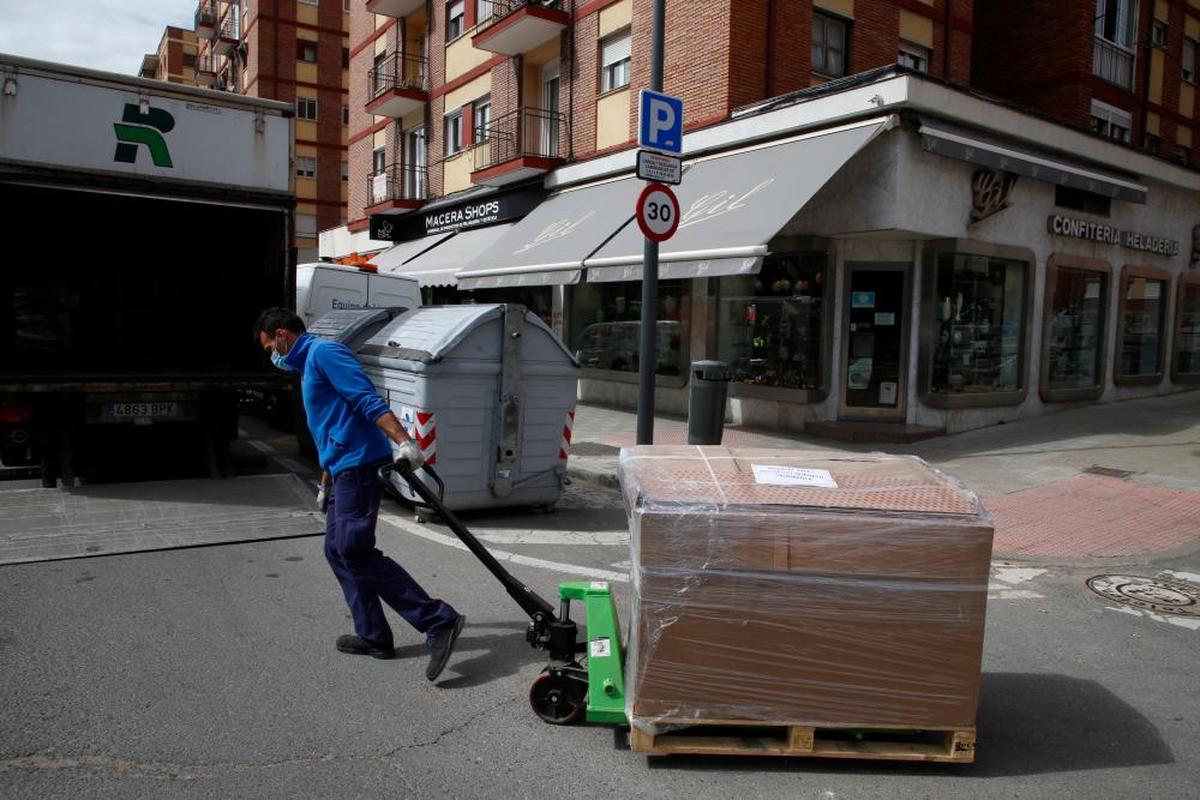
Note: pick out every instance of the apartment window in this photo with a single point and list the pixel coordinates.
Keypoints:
(1074, 335)
(482, 115)
(346, 6)
(309, 2)
(455, 20)
(378, 160)
(484, 9)
(1082, 200)
(1186, 363)
(306, 51)
(189, 60)
(1189, 60)
(1158, 33)
(1153, 143)
(345, 115)
(379, 70)
(615, 56)
(1111, 122)
(1140, 326)
(1115, 34)
(345, 172)
(979, 311)
(306, 224)
(771, 326)
(1183, 154)
(914, 56)
(453, 133)
(306, 108)
(345, 58)
(306, 167)
(829, 45)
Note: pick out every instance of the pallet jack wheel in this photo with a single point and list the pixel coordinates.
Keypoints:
(556, 698)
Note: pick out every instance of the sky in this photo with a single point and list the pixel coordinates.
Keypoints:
(111, 35)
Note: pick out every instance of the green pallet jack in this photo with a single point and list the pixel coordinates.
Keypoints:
(585, 678)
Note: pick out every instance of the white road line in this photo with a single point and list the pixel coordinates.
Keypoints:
(416, 529)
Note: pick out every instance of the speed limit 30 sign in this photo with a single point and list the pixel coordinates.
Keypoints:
(658, 212)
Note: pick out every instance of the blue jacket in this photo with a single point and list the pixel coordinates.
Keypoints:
(341, 404)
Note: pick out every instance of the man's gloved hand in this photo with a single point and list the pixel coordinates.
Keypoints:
(323, 491)
(410, 453)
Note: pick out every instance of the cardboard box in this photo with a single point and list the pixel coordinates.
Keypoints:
(855, 596)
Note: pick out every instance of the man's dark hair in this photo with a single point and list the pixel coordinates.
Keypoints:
(273, 319)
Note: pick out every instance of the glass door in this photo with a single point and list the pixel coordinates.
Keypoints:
(875, 342)
(414, 159)
(550, 87)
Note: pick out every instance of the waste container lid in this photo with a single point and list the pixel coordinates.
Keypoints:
(429, 334)
(711, 370)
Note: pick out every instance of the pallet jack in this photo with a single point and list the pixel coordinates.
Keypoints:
(585, 678)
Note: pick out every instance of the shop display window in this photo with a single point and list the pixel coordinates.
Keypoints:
(605, 326)
(1186, 362)
(1074, 332)
(979, 309)
(771, 326)
(1140, 327)
(538, 299)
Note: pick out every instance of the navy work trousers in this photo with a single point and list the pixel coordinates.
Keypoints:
(368, 576)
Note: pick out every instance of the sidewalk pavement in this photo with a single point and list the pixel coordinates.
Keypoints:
(1119, 480)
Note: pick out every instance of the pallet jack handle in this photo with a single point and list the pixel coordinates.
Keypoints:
(540, 611)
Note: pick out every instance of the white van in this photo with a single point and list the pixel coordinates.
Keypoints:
(321, 288)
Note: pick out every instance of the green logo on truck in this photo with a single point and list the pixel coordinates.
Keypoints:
(136, 128)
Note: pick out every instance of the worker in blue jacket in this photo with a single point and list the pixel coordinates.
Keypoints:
(351, 425)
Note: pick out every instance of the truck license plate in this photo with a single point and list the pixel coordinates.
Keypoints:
(165, 410)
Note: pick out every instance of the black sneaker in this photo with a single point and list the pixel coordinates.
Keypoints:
(442, 644)
(358, 646)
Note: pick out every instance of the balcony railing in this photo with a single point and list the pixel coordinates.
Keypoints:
(206, 18)
(524, 133)
(398, 71)
(1112, 63)
(492, 12)
(403, 182)
(230, 24)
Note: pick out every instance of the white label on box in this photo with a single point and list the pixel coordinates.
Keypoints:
(793, 476)
(600, 648)
(599, 585)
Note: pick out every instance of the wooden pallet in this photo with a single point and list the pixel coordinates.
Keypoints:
(751, 738)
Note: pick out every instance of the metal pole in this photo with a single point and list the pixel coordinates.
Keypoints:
(649, 325)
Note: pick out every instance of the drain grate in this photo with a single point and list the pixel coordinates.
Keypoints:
(1108, 472)
(1153, 594)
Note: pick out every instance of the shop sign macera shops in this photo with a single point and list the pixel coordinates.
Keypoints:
(489, 210)
(1075, 228)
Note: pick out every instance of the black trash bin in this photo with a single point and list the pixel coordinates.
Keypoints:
(706, 402)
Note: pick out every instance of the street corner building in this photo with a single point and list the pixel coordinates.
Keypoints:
(880, 230)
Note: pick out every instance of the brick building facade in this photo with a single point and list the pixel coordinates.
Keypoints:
(407, 76)
(175, 60)
(295, 51)
(1121, 68)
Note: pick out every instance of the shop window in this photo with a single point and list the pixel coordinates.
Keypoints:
(771, 326)
(605, 326)
(1140, 327)
(538, 299)
(1185, 365)
(615, 53)
(306, 51)
(829, 45)
(1082, 200)
(1074, 330)
(979, 308)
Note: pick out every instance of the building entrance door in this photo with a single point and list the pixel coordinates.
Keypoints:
(874, 365)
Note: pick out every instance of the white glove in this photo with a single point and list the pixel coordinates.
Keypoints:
(410, 453)
(323, 497)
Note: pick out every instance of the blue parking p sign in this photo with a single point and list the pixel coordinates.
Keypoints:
(660, 122)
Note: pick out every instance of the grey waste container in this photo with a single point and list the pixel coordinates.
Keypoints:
(488, 392)
(706, 402)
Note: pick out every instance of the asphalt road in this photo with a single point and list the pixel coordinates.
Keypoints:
(211, 672)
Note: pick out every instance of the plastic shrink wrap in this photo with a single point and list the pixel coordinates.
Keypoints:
(818, 588)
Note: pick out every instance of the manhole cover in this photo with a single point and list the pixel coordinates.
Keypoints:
(1108, 472)
(1152, 594)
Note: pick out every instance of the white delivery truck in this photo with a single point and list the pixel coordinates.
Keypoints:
(145, 226)
(324, 287)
